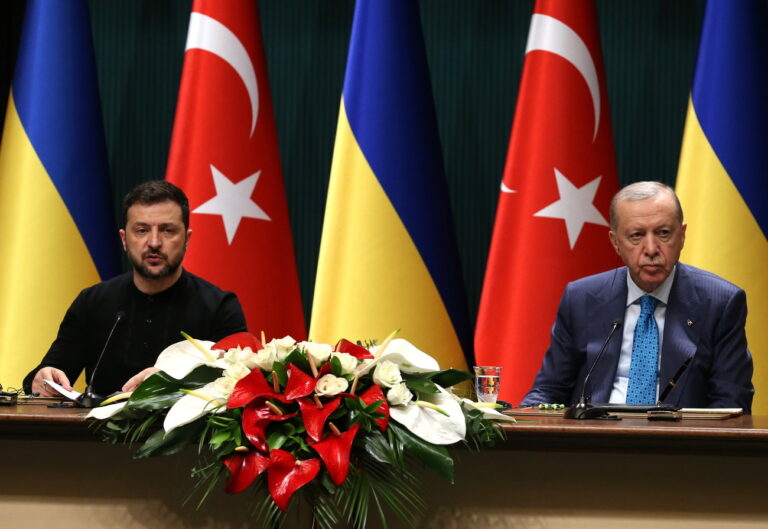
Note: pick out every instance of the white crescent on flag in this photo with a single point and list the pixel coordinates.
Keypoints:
(206, 33)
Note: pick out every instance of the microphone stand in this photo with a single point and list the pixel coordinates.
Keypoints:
(89, 399)
(584, 410)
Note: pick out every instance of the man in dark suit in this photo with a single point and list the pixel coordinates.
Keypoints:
(690, 314)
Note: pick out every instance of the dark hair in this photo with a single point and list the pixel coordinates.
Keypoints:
(154, 192)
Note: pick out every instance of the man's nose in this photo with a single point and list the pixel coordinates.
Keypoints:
(154, 240)
(650, 245)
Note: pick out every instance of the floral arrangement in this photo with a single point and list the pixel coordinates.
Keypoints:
(340, 425)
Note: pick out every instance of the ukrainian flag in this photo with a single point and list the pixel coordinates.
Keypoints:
(388, 257)
(723, 175)
(56, 207)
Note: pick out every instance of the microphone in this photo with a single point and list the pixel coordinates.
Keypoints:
(89, 399)
(583, 410)
(675, 380)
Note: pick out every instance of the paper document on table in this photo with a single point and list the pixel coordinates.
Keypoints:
(72, 395)
(710, 413)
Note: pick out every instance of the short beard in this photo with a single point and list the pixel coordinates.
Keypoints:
(169, 269)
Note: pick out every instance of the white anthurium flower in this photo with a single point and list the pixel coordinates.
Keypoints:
(198, 402)
(282, 347)
(407, 357)
(179, 359)
(320, 352)
(105, 412)
(489, 412)
(430, 424)
(348, 362)
(330, 385)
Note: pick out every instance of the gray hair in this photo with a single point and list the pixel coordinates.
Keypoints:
(642, 191)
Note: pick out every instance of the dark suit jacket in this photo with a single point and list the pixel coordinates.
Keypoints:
(705, 319)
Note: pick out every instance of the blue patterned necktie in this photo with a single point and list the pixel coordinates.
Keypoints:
(645, 355)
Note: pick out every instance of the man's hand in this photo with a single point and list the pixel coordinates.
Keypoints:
(49, 373)
(135, 380)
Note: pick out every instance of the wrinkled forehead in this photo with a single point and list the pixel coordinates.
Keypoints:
(659, 209)
(165, 212)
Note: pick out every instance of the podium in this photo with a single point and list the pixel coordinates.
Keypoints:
(550, 472)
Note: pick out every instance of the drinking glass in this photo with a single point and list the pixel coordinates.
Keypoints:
(487, 381)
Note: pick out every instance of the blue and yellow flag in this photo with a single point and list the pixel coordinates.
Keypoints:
(723, 175)
(56, 208)
(388, 256)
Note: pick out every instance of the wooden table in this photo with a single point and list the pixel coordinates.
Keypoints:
(550, 472)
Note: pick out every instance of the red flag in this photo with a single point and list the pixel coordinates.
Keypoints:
(224, 155)
(552, 217)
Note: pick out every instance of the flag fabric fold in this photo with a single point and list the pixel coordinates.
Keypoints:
(388, 256)
(56, 204)
(552, 216)
(224, 155)
(722, 180)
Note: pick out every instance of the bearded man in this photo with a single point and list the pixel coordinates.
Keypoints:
(147, 307)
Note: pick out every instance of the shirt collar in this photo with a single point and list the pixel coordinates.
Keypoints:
(661, 293)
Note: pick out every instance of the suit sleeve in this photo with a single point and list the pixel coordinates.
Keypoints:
(67, 352)
(556, 380)
(731, 369)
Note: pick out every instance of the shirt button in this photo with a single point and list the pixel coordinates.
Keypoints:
(149, 320)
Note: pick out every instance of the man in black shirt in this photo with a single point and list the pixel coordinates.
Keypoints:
(157, 300)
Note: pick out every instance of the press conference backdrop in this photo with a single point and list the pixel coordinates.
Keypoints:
(475, 52)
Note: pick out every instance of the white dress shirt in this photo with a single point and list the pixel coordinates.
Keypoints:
(634, 293)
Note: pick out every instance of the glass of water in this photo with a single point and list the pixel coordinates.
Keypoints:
(487, 381)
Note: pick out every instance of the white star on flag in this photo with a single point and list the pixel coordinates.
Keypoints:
(232, 202)
(575, 206)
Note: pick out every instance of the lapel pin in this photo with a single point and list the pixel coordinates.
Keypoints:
(690, 323)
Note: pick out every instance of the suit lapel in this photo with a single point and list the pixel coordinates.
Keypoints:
(605, 306)
(681, 338)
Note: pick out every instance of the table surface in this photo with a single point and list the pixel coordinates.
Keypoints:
(748, 432)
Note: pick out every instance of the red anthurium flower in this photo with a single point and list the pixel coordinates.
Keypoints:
(314, 417)
(256, 419)
(299, 384)
(244, 468)
(358, 351)
(239, 339)
(334, 451)
(370, 396)
(324, 369)
(287, 474)
(252, 386)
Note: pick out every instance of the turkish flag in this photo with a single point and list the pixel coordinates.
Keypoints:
(224, 155)
(552, 216)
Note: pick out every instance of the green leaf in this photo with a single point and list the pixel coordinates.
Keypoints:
(160, 444)
(335, 366)
(276, 439)
(282, 374)
(420, 384)
(450, 377)
(435, 457)
(297, 358)
(378, 447)
(160, 390)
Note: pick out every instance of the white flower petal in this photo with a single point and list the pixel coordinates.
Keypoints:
(189, 408)
(431, 425)
(105, 412)
(406, 356)
(179, 359)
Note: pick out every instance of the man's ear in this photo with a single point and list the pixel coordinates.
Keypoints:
(614, 241)
(122, 239)
(189, 236)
